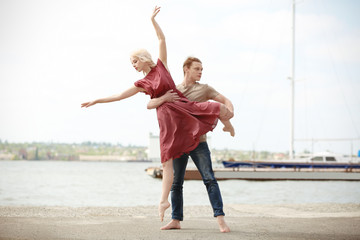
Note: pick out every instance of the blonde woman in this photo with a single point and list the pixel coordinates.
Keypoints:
(181, 122)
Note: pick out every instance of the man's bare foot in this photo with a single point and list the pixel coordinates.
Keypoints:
(173, 224)
(229, 129)
(162, 208)
(222, 224)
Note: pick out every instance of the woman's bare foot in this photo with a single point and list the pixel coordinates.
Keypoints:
(162, 208)
(222, 224)
(229, 129)
(173, 224)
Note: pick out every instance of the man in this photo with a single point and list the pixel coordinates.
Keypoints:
(195, 91)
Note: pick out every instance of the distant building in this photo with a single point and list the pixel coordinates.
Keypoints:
(154, 148)
(6, 156)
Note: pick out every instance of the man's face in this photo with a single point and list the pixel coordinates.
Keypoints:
(195, 71)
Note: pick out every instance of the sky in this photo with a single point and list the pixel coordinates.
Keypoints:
(55, 55)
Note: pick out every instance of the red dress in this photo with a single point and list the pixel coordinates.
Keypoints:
(182, 122)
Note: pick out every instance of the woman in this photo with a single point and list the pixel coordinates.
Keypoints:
(181, 122)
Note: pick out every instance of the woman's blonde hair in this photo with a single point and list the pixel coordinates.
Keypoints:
(144, 56)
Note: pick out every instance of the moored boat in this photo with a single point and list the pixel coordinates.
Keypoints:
(316, 161)
(270, 174)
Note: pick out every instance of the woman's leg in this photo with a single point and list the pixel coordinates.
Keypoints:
(225, 115)
(167, 180)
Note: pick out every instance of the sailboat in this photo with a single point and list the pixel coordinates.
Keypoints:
(324, 166)
(323, 160)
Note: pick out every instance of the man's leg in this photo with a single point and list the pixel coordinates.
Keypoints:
(202, 159)
(179, 166)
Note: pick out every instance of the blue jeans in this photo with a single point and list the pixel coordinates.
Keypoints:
(201, 157)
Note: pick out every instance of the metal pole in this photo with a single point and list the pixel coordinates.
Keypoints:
(292, 85)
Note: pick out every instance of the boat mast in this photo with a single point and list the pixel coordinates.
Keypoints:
(292, 79)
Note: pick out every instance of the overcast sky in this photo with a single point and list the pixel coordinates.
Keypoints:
(54, 55)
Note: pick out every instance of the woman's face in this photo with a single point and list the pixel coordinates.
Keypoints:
(137, 64)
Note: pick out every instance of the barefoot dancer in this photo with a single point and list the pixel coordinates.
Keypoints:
(194, 91)
(181, 123)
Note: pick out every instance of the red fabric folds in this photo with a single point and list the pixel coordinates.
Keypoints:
(182, 122)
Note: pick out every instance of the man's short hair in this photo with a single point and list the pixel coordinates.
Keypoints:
(189, 61)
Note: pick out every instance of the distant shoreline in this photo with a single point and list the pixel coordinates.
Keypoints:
(92, 158)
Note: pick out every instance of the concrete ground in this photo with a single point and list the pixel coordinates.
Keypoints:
(298, 221)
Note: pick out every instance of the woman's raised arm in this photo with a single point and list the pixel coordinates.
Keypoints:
(161, 37)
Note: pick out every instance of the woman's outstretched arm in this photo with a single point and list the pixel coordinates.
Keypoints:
(126, 94)
(161, 37)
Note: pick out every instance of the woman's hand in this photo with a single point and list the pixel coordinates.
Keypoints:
(88, 104)
(156, 11)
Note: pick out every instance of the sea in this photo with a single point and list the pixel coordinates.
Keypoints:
(121, 184)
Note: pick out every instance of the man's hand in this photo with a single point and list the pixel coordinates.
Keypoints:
(228, 115)
(170, 96)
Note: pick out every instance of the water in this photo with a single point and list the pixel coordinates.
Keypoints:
(117, 184)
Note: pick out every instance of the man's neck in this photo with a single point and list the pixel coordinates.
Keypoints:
(187, 82)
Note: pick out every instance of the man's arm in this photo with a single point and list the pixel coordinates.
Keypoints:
(222, 99)
(169, 96)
